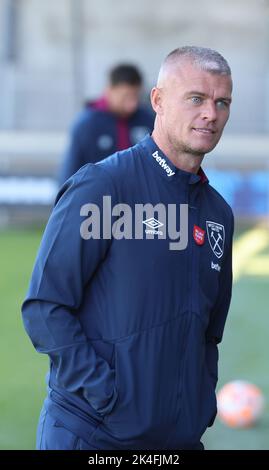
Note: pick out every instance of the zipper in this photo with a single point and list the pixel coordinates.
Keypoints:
(190, 291)
(185, 321)
(183, 338)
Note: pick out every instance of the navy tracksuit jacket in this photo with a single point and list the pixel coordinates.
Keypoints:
(97, 133)
(130, 326)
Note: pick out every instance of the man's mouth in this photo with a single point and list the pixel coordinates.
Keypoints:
(203, 130)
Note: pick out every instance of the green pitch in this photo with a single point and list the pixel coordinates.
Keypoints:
(244, 351)
(22, 369)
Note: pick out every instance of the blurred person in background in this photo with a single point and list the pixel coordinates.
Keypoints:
(131, 325)
(114, 122)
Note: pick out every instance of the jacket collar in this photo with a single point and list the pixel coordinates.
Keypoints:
(166, 168)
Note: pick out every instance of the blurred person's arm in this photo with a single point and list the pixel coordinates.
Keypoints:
(78, 151)
(64, 266)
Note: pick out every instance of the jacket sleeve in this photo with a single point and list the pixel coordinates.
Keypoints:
(77, 153)
(219, 313)
(65, 264)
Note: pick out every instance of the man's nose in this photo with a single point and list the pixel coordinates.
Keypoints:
(209, 111)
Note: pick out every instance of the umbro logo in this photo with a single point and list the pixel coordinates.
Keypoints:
(153, 224)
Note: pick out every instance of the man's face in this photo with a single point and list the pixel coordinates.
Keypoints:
(194, 107)
(123, 99)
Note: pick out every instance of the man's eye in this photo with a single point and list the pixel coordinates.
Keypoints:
(196, 99)
(222, 104)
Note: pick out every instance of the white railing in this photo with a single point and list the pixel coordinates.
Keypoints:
(41, 152)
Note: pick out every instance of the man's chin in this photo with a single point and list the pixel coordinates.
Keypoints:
(198, 152)
(203, 149)
(206, 149)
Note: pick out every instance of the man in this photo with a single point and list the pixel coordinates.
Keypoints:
(111, 123)
(131, 323)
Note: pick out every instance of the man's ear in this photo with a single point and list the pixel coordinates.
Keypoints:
(156, 100)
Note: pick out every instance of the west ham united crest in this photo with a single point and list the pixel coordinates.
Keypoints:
(216, 237)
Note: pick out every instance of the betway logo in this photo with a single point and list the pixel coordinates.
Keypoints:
(215, 266)
(163, 163)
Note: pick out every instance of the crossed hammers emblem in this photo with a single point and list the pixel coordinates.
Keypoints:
(216, 240)
(216, 237)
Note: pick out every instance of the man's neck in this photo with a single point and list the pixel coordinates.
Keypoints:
(182, 160)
